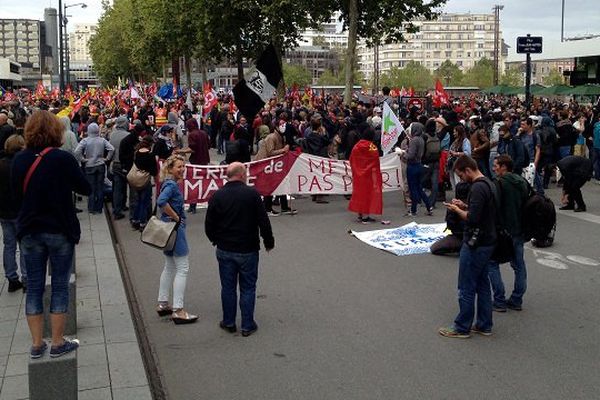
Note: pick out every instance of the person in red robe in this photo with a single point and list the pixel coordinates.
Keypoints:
(367, 195)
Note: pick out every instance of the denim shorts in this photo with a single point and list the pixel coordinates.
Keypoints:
(38, 249)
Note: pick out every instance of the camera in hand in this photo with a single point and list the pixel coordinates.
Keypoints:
(472, 242)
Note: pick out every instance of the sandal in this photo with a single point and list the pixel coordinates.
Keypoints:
(164, 309)
(183, 317)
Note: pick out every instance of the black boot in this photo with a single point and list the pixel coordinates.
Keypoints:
(14, 285)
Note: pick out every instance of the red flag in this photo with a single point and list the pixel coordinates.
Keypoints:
(40, 91)
(411, 92)
(210, 99)
(174, 86)
(295, 94)
(440, 97)
(55, 93)
(367, 184)
(77, 105)
(403, 92)
(395, 92)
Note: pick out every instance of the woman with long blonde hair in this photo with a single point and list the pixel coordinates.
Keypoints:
(174, 275)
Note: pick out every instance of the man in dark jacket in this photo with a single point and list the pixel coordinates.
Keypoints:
(9, 211)
(199, 143)
(576, 171)
(514, 192)
(514, 148)
(119, 174)
(234, 219)
(478, 244)
(126, 154)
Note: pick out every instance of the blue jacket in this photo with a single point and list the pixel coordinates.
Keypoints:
(170, 193)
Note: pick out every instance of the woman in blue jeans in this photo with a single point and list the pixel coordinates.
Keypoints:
(8, 217)
(43, 178)
(145, 160)
(414, 169)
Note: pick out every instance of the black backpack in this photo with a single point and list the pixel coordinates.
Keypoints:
(539, 220)
(433, 149)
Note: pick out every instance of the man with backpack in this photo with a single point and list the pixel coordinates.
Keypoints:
(548, 141)
(513, 191)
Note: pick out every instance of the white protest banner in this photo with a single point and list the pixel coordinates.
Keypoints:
(412, 238)
(318, 175)
(392, 128)
(291, 173)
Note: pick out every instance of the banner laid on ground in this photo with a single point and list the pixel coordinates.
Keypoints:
(291, 173)
(409, 239)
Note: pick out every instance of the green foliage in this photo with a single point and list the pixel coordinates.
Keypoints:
(449, 73)
(512, 77)
(480, 75)
(330, 78)
(296, 74)
(413, 74)
(554, 78)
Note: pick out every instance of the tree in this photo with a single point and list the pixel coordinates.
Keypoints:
(449, 73)
(296, 75)
(243, 28)
(109, 46)
(480, 75)
(378, 22)
(413, 74)
(512, 77)
(553, 78)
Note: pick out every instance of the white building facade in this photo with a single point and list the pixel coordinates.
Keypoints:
(461, 38)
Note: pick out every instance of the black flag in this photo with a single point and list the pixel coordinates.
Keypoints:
(259, 84)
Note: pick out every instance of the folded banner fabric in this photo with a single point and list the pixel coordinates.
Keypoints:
(259, 84)
(409, 239)
(290, 173)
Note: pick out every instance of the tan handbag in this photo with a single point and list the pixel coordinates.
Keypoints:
(137, 178)
(160, 234)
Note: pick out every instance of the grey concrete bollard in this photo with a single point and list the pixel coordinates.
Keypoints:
(53, 378)
(71, 325)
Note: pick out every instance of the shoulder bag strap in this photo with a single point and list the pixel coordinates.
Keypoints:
(34, 166)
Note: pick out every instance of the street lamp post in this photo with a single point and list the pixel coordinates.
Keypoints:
(61, 73)
(497, 8)
(64, 46)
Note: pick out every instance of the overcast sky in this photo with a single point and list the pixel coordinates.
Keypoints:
(519, 17)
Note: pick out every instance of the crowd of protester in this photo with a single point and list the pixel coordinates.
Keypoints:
(109, 140)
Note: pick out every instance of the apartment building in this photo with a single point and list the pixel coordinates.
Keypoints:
(460, 38)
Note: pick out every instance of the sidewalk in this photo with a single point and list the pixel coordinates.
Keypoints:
(109, 362)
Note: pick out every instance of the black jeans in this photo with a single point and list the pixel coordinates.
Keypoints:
(282, 201)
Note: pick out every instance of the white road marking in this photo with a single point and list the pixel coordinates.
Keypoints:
(585, 216)
(584, 260)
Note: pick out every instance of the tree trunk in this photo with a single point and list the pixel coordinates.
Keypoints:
(175, 67)
(351, 55)
(188, 71)
(164, 71)
(204, 71)
(239, 60)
